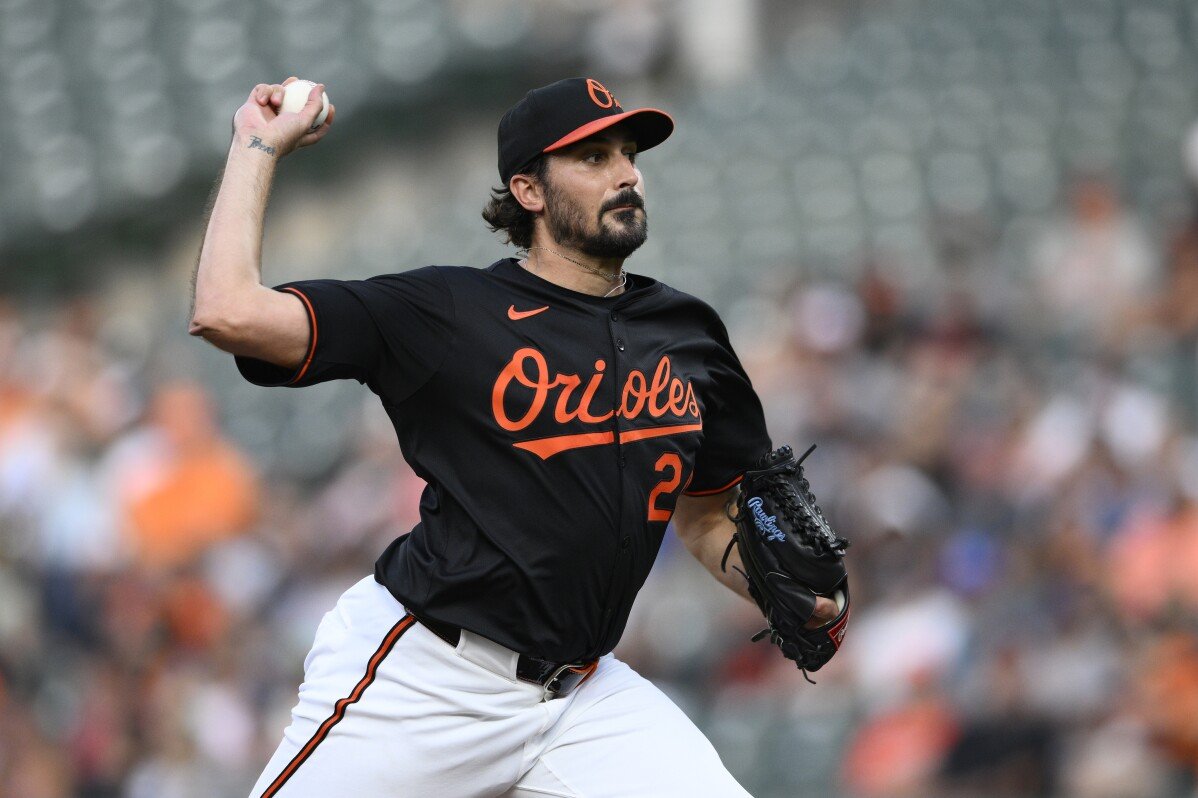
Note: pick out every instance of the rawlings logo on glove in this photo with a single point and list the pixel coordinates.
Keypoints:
(791, 557)
(765, 522)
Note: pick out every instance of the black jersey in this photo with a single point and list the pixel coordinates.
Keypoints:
(555, 431)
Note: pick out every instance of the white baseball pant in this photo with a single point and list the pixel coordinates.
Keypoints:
(387, 708)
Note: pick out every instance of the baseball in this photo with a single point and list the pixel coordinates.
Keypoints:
(296, 94)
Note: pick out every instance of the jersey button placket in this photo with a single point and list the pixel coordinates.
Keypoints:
(623, 541)
(618, 372)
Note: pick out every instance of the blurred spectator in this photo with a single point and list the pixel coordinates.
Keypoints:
(1176, 310)
(1165, 695)
(181, 486)
(1179, 309)
(900, 751)
(1152, 563)
(1094, 266)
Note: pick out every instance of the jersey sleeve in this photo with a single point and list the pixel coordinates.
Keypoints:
(390, 332)
(734, 433)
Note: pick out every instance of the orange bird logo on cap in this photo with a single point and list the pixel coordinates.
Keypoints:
(595, 89)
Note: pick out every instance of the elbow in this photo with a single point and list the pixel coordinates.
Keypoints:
(222, 329)
(199, 327)
(207, 325)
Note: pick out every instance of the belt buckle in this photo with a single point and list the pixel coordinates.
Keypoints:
(567, 677)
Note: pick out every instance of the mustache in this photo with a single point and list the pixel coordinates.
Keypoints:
(625, 197)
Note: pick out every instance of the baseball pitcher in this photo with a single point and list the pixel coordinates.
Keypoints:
(563, 413)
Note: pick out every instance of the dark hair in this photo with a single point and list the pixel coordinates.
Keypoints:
(504, 212)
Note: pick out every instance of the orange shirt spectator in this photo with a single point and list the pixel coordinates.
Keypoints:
(1153, 564)
(1166, 695)
(186, 488)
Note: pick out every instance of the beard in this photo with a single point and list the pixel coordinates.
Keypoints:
(567, 222)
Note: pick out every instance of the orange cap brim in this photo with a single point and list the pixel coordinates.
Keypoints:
(650, 135)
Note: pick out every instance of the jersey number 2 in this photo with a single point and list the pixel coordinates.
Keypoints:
(667, 462)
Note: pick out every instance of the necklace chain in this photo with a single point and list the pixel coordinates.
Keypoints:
(622, 276)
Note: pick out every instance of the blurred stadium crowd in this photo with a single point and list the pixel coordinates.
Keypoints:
(954, 244)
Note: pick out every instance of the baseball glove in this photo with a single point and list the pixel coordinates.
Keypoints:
(790, 556)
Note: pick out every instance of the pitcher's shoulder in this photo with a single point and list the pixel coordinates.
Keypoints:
(453, 277)
(681, 300)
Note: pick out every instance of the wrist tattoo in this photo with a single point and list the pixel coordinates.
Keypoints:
(256, 144)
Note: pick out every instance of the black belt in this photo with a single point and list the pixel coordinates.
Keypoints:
(558, 678)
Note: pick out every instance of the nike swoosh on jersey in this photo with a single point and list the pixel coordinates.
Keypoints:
(516, 315)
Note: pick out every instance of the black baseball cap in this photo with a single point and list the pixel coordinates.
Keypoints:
(562, 113)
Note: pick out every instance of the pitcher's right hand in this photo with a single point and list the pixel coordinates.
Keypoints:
(259, 124)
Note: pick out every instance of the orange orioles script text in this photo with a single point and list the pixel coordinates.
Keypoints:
(527, 377)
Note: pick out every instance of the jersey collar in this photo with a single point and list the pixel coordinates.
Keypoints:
(638, 286)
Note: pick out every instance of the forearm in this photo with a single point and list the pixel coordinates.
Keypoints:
(708, 547)
(229, 272)
(230, 307)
